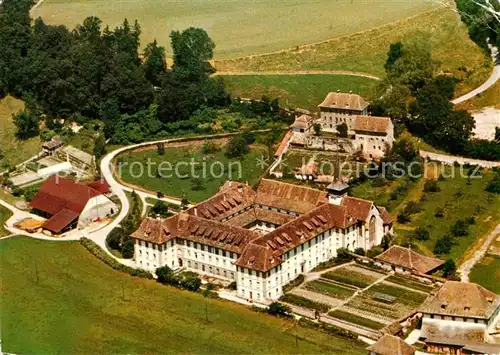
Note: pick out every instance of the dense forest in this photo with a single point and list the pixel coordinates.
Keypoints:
(97, 74)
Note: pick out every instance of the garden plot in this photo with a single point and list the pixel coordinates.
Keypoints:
(353, 275)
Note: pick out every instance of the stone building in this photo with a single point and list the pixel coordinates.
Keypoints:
(459, 318)
(338, 108)
(262, 238)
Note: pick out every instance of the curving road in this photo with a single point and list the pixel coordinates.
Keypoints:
(495, 75)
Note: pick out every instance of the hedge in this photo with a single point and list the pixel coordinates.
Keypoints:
(103, 256)
(294, 283)
(352, 318)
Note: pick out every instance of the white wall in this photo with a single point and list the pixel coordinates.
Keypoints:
(97, 207)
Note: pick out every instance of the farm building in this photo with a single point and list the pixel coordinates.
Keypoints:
(460, 318)
(67, 204)
(390, 345)
(406, 261)
(338, 108)
(262, 238)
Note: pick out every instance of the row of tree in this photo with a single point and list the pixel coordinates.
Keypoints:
(95, 73)
(412, 95)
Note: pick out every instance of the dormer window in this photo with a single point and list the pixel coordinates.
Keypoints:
(466, 308)
(443, 305)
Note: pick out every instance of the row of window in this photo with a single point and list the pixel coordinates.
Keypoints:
(210, 269)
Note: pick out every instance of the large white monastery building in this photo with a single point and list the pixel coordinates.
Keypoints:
(263, 238)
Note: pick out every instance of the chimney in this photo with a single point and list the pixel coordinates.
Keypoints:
(195, 211)
(350, 92)
(338, 91)
(240, 188)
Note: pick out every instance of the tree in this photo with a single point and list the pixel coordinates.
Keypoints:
(460, 228)
(99, 147)
(392, 100)
(403, 218)
(431, 186)
(443, 245)
(395, 52)
(404, 149)
(160, 149)
(237, 147)
(27, 124)
(278, 309)
(359, 251)
(155, 63)
(342, 129)
(415, 67)
(449, 269)
(421, 233)
(343, 255)
(386, 241)
(317, 129)
(163, 274)
(160, 208)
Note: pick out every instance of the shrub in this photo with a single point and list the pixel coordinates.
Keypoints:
(439, 213)
(373, 252)
(386, 241)
(237, 147)
(460, 228)
(412, 207)
(443, 245)
(343, 255)
(327, 328)
(128, 248)
(359, 251)
(106, 258)
(164, 274)
(190, 283)
(403, 218)
(160, 149)
(421, 233)
(342, 129)
(209, 147)
(160, 208)
(431, 186)
(278, 309)
(160, 194)
(294, 283)
(232, 285)
(449, 269)
(494, 184)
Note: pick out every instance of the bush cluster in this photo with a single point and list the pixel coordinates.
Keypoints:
(294, 283)
(103, 256)
(186, 280)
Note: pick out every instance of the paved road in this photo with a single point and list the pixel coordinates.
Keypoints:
(495, 75)
(450, 159)
(467, 266)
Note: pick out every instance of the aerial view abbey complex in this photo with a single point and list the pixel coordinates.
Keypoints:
(250, 177)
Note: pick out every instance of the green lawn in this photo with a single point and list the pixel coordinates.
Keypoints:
(304, 91)
(185, 183)
(14, 151)
(487, 273)
(367, 51)
(77, 307)
(329, 289)
(5, 214)
(459, 201)
(237, 27)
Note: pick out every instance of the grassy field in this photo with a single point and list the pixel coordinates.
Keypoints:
(183, 184)
(490, 97)
(305, 91)
(14, 151)
(459, 200)
(487, 273)
(238, 28)
(367, 51)
(57, 298)
(5, 214)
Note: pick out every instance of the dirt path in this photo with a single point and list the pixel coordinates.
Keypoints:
(467, 266)
(299, 72)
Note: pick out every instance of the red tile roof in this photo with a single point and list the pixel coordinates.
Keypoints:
(60, 220)
(339, 100)
(409, 259)
(372, 124)
(100, 185)
(357, 207)
(283, 143)
(59, 193)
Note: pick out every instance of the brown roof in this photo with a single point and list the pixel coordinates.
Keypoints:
(356, 207)
(288, 196)
(344, 101)
(391, 345)
(197, 230)
(384, 214)
(372, 124)
(259, 214)
(231, 198)
(100, 185)
(60, 220)
(303, 121)
(59, 193)
(462, 300)
(258, 257)
(408, 259)
(296, 232)
(283, 144)
(53, 143)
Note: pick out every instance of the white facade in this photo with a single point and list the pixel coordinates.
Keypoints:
(97, 207)
(330, 118)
